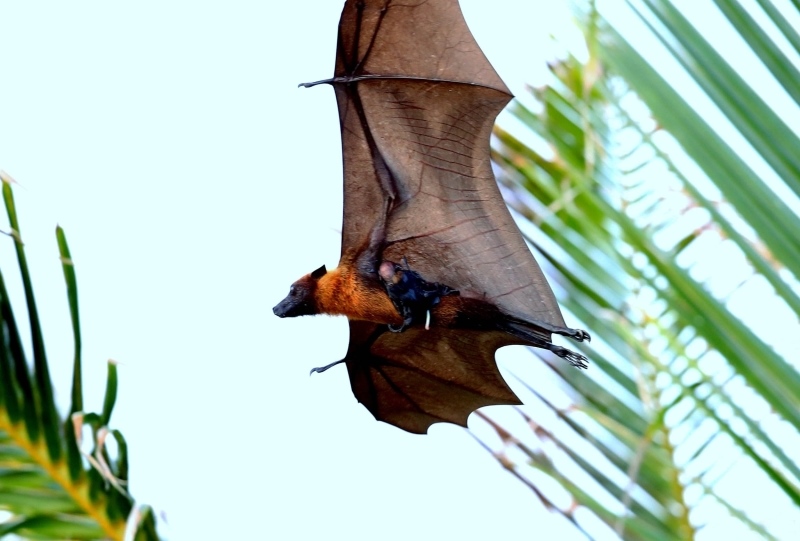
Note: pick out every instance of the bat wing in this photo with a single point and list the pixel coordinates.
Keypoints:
(416, 378)
(417, 101)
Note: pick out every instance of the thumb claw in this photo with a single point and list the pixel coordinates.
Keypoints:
(321, 369)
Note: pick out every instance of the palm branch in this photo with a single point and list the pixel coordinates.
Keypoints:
(53, 485)
(636, 199)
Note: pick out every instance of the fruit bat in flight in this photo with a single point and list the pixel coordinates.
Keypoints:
(434, 274)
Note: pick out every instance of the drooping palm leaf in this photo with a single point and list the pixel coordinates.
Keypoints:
(684, 398)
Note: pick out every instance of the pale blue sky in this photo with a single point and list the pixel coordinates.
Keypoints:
(196, 182)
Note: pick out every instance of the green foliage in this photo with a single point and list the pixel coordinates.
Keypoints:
(683, 395)
(49, 487)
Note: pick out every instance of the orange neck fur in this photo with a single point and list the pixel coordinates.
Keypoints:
(343, 291)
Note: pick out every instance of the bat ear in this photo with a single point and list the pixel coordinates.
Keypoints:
(319, 273)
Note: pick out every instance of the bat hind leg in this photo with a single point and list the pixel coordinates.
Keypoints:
(579, 335)
(533, 336)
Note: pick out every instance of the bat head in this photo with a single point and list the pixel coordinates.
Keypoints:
(301, 300)
(391, 273)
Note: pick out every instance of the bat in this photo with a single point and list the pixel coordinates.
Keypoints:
(434, 275)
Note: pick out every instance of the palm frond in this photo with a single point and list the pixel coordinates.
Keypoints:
(49, 487)
(685, 397)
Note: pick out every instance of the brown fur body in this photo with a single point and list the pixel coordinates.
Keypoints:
(465, 312)
(352, 290)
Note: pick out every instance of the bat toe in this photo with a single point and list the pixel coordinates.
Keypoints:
(575, 359)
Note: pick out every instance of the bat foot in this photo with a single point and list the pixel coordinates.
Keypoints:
(321, 369)
(580, 335)
(575, 359)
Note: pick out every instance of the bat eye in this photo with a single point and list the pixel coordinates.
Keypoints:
(293, 291)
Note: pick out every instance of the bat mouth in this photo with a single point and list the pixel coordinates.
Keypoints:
(291, 308)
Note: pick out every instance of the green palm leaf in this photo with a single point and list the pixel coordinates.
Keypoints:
(51, 489)
(683, 396)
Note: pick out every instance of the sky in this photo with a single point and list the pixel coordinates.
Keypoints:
(195, 183)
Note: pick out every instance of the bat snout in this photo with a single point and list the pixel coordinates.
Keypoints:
(293, 306)
(283, 308)
(280, 309)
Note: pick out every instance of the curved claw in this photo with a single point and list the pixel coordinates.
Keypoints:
(321, 369)
(575, 359)
(581, 335)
